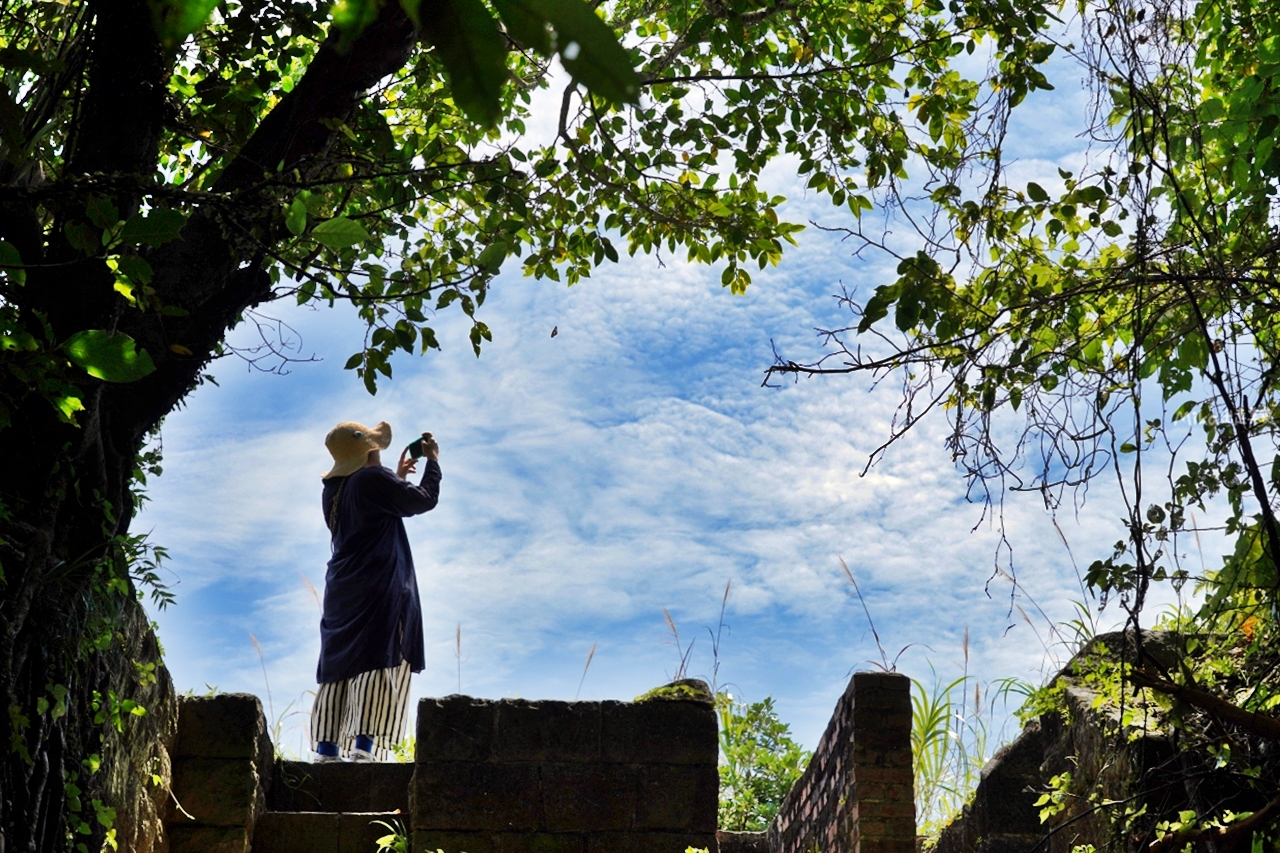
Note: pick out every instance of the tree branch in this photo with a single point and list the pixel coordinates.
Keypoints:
(1254, 723)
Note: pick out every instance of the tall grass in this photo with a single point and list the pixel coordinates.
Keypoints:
(956, 726)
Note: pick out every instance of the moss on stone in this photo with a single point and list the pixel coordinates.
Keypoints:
(685, 690)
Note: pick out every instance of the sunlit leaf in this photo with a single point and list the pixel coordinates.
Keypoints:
(111, 358)
(174, 20)
(339, 233)
(296, 217)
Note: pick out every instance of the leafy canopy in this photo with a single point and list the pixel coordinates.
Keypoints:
(1122, 320)
(477, 155)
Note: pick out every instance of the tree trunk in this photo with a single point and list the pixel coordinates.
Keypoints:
(66, 489)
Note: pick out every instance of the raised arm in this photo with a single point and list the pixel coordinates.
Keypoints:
(402, 497)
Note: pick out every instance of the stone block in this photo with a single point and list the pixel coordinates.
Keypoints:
(540, 842)
(215, 792)
(230, 725)
(666, 732)
(442, 841)
(678, 798)
(299, 786)
(555, 731)
(297, 832)
(207, 839)
(455, 728)
(582, 797)
(359, 833)
(649, 842)
(452, 795)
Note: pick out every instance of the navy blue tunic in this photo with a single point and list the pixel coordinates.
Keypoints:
(372, 616)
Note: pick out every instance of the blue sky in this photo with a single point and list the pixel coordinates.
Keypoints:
(631, 463)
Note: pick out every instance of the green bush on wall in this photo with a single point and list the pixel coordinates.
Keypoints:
(759, 762)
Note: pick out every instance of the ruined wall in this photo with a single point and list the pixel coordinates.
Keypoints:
(134, 757)
(1082, 740)
(565, 777)
(856, 795)
(222, 768)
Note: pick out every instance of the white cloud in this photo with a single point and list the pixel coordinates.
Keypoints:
(631, 463)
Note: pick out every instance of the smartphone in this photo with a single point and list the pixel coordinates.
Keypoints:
(416, 449)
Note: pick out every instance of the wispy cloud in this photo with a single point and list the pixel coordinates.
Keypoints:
(630, 463)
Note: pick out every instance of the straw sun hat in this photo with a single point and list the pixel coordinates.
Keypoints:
(349, 444)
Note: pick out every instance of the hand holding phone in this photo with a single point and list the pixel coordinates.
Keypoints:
(425, 445)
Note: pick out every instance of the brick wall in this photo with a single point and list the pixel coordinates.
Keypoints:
(564, 777)
(856, 795)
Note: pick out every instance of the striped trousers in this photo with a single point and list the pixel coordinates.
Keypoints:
(373, 703)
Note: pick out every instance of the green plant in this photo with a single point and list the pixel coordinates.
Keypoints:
(405, 749)
(951, 740)
(759, 762)
(396, 840)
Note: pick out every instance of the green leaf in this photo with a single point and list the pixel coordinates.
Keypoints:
(1037, 192)
(111, 358)
(589, 49)
(493, 256)
(296, 217)
(352, 17)
(526, 26)
(174, 20)
(82, 236)
(155, 228)
(67, 406)
(102, 212)
(467, 41)
(11, 263)
(339, 233)
(137, 270)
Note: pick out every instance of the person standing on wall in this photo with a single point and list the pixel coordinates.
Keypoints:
(371, 630)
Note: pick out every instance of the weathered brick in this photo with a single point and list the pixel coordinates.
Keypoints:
(556, 731)
(540, 842)
(659, 732)
(455, 728)
(455, 795)
(874, 773)
(207, 839)
(678, 798)
(580, 797)
(883, 758)
(215, 792)
(432, 840)
(742, 842)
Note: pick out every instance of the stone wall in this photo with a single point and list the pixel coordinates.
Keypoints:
(565, 777)
(222, 768)
(1083, 740)
(856, 795)
(138, 754)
